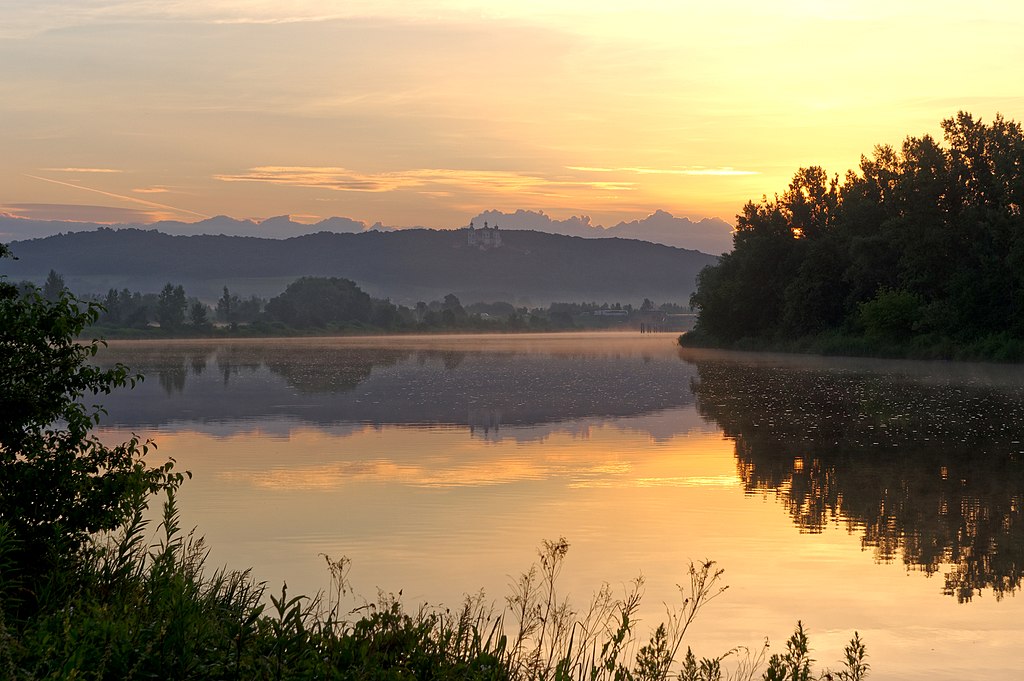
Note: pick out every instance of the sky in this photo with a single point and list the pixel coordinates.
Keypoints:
(416, 113)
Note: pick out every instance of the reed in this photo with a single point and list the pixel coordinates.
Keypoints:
(143, 609)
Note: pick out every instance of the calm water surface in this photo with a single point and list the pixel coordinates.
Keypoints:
(878, 496)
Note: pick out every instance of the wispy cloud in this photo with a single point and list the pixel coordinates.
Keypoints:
(131, 199)
(76, 213)
(151, 190)
(41, 15)
(431, 181)
(81, 170)
(725, 171)
(28, 18)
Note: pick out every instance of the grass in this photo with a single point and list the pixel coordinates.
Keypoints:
(138, 609)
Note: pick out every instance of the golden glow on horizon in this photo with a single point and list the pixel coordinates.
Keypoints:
(590, 459)
(426, 113)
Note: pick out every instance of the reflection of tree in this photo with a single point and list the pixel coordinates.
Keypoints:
(172, 377)
(930, 472)
(451, 359)
(172, 370)
(329, 370)
(233, 360)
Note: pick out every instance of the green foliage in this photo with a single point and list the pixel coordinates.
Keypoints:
(151, 611)
(197, 315)
(54, 286)
(795, 663)
(227, 307)
(124, 309)
(171, 304)
(318, 301)
(923, 246)
(855, 660)
(891, 314)
(58, 482)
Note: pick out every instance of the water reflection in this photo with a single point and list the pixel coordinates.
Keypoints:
(437, 464)
(924, 461)
(408, 383)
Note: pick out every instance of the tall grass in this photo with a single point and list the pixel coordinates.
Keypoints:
(148, 609)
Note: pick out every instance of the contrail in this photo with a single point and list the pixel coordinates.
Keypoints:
(119, 196)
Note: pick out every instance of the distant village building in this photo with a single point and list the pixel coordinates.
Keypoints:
(484, 237)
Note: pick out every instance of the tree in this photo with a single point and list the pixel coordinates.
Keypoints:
(319, 301)
(227, 307)
(925, 240)
(112, 312)
(54, 286)
(385, 314)
(170, 310)
(59, 483)
(452, 302)
(452, 311)
(249, 310)
(197, 315)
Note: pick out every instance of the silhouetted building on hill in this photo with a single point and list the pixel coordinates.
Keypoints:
(484, 237)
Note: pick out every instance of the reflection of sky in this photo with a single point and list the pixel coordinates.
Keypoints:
(439, 510)
(437, 513)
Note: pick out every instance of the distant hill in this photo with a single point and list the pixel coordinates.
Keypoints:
(710, 235)
(408, 265)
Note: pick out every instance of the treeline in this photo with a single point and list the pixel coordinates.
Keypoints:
(920, 253)
(333, 304)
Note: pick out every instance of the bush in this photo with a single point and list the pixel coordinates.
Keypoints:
(58, 483)
(891, 314)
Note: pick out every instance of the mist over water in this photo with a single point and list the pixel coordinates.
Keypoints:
(871, 495)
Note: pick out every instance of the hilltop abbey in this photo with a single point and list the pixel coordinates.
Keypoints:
(485, 237)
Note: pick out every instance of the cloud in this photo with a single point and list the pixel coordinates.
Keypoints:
(151, 190)
(66, 212)
(726, 171)
(151, 204)
(335, 179)
(430, 181)
(81, 170)
(29, 18)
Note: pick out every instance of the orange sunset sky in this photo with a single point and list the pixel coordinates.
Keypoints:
(427, 113)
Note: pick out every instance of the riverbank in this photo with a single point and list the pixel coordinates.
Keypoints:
(996, 347)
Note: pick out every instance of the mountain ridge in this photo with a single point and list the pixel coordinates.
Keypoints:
(709, 235)
(405, 265)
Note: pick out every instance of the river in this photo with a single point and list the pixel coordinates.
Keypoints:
(878, 496)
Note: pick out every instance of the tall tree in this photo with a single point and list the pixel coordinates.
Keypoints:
(54, 286)
(197, 314)
(452, 311)
(171, 305)
(227, 307)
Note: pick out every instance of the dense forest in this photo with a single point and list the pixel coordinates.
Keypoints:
(919, 253)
